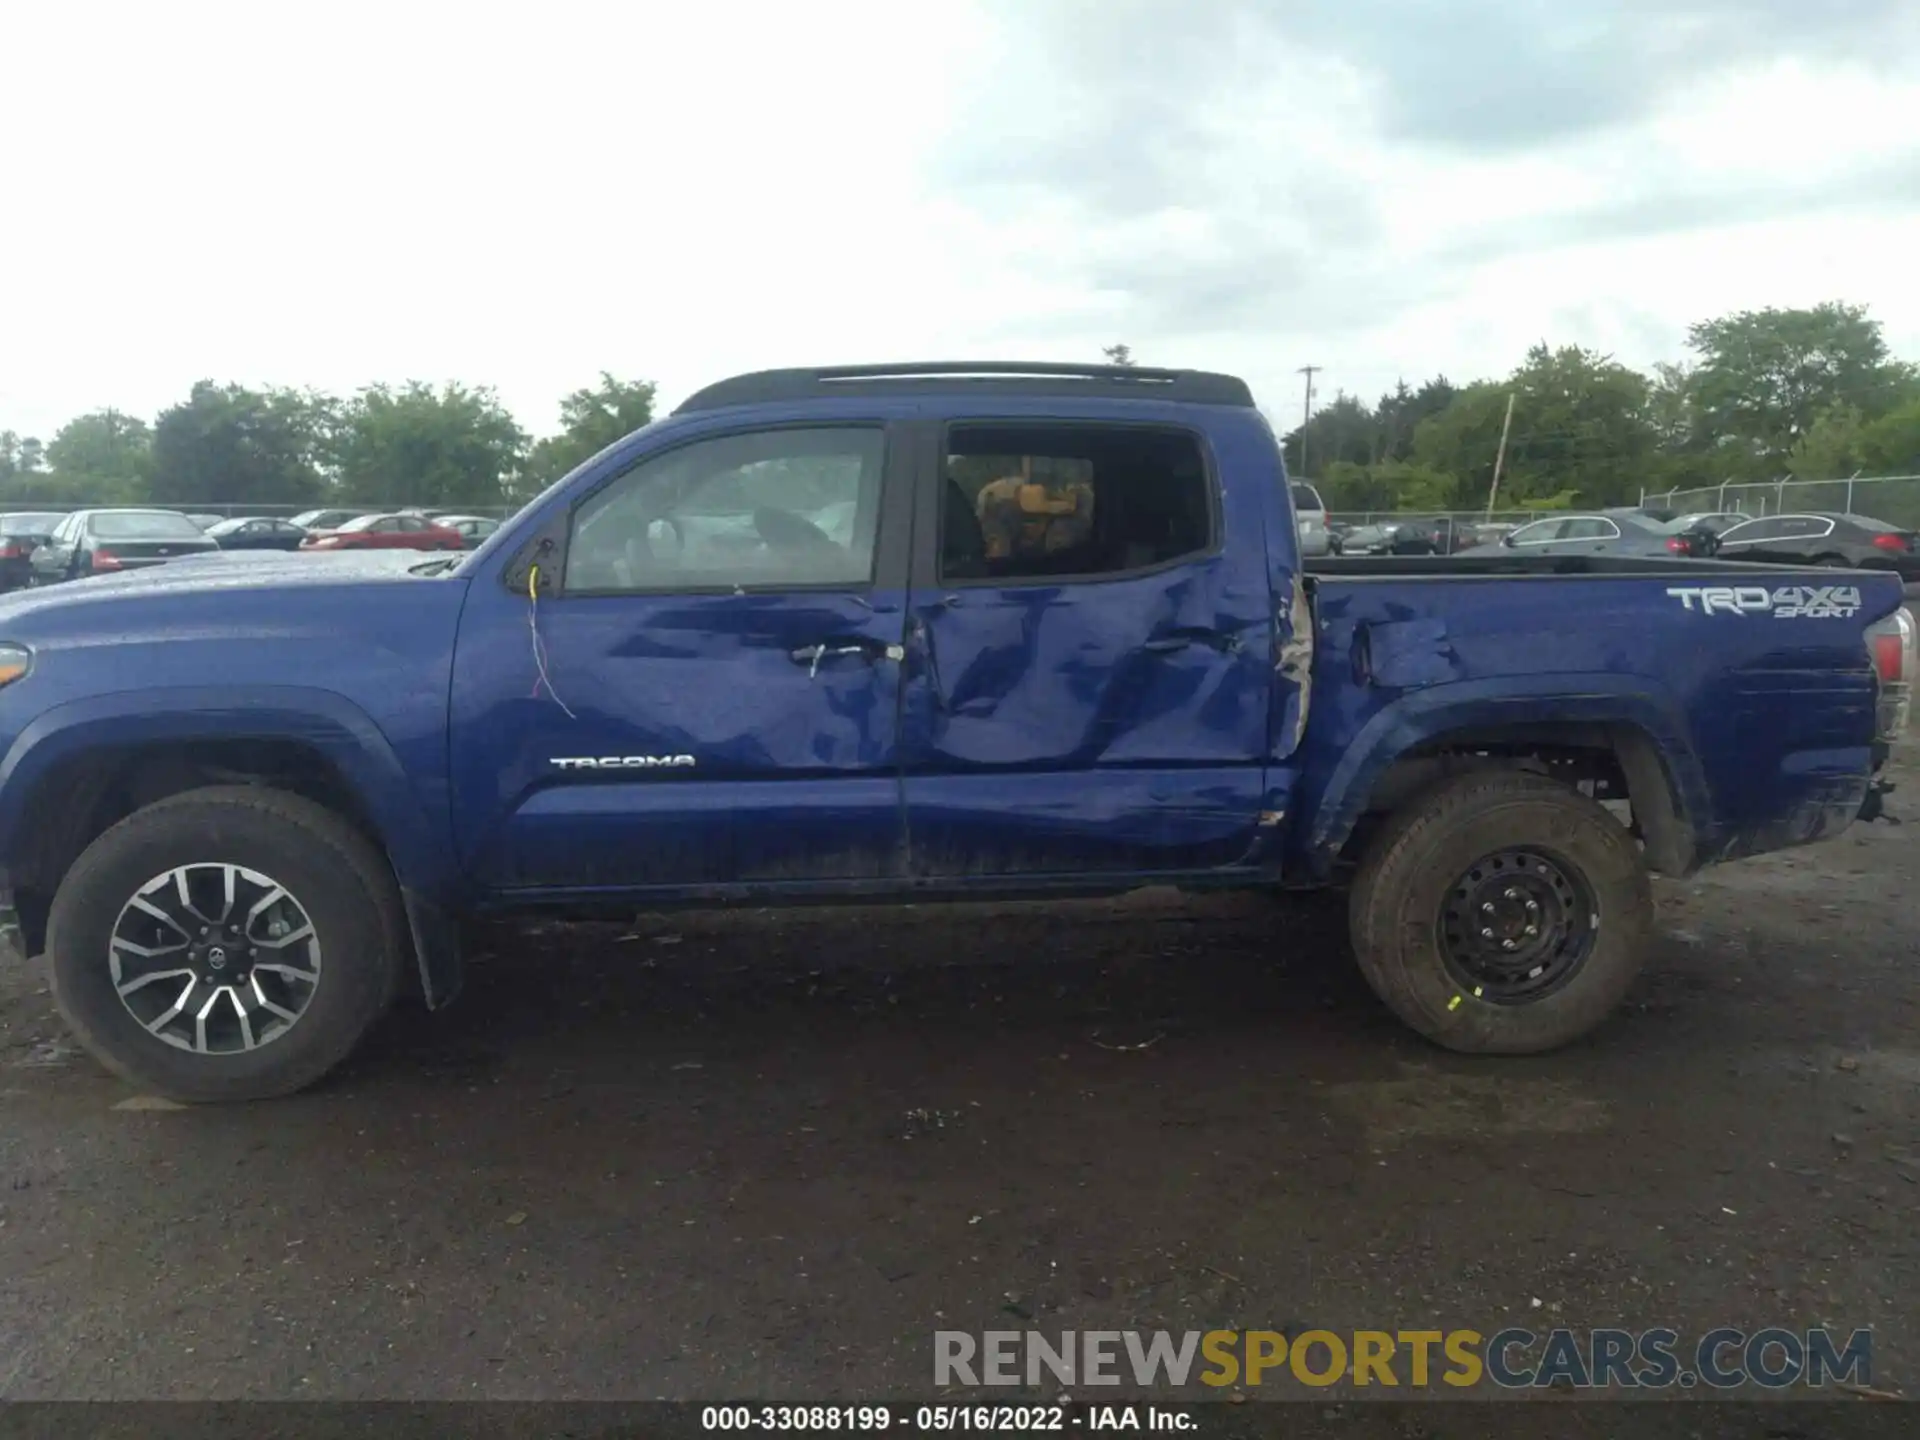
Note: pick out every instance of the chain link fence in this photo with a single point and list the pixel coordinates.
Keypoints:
(1894, 499)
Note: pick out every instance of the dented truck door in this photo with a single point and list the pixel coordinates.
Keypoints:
(1093, 644)
(704, 689)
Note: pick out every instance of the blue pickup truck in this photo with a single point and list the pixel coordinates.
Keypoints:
(892, 633)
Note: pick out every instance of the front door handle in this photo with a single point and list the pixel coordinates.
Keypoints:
(811, 655)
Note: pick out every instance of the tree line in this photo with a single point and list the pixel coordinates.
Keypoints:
(231, 445)
(1763, 395)
(1808, 394)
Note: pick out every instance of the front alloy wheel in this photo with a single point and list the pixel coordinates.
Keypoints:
(184, 946)
(215, 959)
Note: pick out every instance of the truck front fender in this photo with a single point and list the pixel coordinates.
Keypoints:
(338, 730)
(1663, 773)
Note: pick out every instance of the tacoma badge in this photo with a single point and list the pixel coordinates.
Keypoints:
(626, 762)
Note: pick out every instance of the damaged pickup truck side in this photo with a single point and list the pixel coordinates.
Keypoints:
(897, 633)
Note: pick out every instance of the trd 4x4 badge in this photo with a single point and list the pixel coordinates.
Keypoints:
(1789, 602)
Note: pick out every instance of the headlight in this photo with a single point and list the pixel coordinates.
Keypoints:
(15, 661)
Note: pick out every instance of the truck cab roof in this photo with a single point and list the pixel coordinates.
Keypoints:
(1004, 377)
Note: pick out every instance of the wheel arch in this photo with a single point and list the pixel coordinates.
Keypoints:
(81, 767)
(1587, 730)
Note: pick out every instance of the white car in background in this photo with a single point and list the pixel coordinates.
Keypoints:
(1310, 516)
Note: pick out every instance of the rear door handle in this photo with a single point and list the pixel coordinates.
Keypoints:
(1221, 640)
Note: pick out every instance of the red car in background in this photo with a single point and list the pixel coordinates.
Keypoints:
(387, 532)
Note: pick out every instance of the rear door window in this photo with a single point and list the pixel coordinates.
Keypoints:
(1035, 502)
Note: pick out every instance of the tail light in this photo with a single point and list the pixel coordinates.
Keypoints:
(1889, 541)
(1676, 545)
(13, 550)
(105, 560)
(1895, 659)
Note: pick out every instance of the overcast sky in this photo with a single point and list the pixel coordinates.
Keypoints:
(525, 194)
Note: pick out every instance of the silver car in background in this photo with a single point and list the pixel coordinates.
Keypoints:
(1310, 517)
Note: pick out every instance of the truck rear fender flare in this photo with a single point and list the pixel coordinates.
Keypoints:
(1672, 805)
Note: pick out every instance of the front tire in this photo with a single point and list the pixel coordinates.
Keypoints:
(230, 943)
(1502, 913)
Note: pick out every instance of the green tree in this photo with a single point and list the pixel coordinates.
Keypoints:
(1400, 412)
(591, 420)
(419, 446)
(1832, 448)
(227, 444)
(20, 456)
(1390, 485)
(1891, 444)
(1765, 377)
(1581, 428)
(1343, 432)
(104, 456)
(1118, 354)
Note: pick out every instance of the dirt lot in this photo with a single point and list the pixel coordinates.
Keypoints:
(767, 1155)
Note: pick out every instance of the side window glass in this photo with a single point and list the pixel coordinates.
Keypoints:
(1539, 533)
(768, 508)
(1043, 501)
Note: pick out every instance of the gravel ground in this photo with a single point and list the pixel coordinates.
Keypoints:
(767, 1154)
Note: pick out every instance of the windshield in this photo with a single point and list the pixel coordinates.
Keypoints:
(365, 522)
(144, 525)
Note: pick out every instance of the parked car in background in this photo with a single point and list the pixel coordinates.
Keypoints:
(325, 519)
(1367, 540)
(1698, 534)
(473, 528)
(1853, 542)
(20, 535)
(1337, 532)
(1310, 518)
(1714, 520)
(257, 532)
(1608, 532)
(1439, 534)
(1492, 533)
(102, 542)
(387, 532)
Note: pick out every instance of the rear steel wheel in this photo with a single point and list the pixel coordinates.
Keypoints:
(1477, 913)
(1517, 925)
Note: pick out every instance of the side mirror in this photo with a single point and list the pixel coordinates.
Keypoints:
(1507, 540)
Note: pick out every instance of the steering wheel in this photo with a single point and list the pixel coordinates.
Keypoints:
(784, 530)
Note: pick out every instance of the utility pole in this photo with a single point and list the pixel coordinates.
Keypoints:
(1306, 414)
(1500, 456)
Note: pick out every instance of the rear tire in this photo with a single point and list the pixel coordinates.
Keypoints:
(187, 1015)
(1456, 857)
